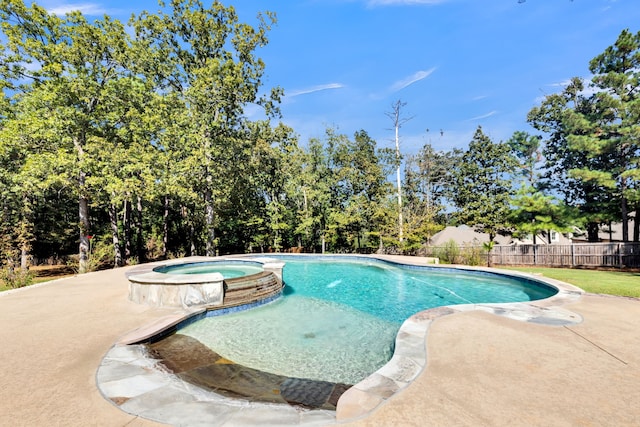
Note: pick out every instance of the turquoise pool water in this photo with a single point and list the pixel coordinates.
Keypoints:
(228, 269)
(338, 319)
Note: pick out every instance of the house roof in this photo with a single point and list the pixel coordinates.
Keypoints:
(463, 234)
(606, 233)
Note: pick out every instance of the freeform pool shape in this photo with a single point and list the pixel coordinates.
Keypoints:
(202, 282)
(409, 358)
(338, 319)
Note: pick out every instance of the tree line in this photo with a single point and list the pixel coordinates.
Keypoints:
(131, 143)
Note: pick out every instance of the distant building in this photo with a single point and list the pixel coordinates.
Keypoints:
(550, 237)
(465, 235)
(606, 233)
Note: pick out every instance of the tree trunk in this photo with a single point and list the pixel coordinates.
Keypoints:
(117, 251)
(126, 226)
(636, 225)
(25, 235)
(610, 232)
(592, 232)
(210, 245)
(83, 209)
(165, 227)
(624, 211)
(306, 214)
(24, 259)
(83, 214)
(140, 249)
(192, 242)
(209, 218)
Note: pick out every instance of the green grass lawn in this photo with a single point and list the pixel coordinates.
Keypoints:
(598, 282)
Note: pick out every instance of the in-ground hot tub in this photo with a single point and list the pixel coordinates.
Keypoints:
(205, 282)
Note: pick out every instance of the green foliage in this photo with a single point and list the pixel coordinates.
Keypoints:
(527, 149)
(426, 184)
(483, 185)
(15, 278)
(488, 247)
(100, 256)
(449, 253)
(472, 254)
(593, 144)
(337, 193)
(154, 248)
(452, 253)
(141, 139)
(204, 60)
(131, 121)
(533, 213)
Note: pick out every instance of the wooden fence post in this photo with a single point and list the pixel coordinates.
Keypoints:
(620, 258)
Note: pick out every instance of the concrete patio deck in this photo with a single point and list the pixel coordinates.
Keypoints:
(482, 369)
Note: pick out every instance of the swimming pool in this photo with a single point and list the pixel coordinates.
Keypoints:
(214, 390)
(339, 318)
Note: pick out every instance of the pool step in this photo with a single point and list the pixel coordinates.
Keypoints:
(248, 289)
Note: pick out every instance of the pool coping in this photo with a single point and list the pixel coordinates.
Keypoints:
(410, 356)
(407, 363)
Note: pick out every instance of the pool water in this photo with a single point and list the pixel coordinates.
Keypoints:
(229, 270)
(301, 337)
(338, 319)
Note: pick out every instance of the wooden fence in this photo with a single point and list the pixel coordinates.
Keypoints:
(575, 255)
(589, 255)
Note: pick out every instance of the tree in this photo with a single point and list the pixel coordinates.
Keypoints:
(482, 185)
(533, 213)
(617, 74)
(207, 59)
(427, 183)
(360, 185)
(314, 183)
(592, 198)
(73, 71)
(270, 214)
(527, 150)
(396, 116)
(593, 139)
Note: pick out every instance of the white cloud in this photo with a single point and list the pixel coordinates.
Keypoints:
(589, 88)
(90, 9)
(562, 84)
(315, 89)
(401, 84)
(484, 116)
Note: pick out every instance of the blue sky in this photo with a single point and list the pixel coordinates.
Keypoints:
(456, 64)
